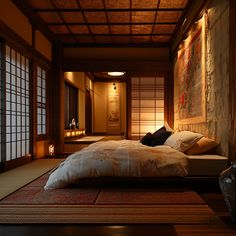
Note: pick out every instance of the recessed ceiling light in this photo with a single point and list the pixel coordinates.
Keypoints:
(116, 73)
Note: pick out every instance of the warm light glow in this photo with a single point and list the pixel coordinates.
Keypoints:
(51, 149)
(73, 133)
(68, 134)
(116, 73)
(147, 108)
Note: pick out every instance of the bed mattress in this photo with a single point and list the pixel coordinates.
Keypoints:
(206, 165)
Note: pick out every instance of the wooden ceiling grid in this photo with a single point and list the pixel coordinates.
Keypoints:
(111, 21)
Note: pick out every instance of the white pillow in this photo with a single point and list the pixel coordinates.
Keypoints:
(183, 140)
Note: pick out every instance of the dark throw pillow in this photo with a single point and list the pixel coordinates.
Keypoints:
(160, 136)
(147, 139)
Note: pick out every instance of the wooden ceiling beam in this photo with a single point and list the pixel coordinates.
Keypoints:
(85, 20)
(62, 18)
(108, 35)
(114, 23)
(155, 18)
(192, 10)
(115, 65)
(107, 9)
(130, 20)
(108, 21)
(129, 45)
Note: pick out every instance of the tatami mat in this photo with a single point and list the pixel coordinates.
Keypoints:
(90, 139)
(16, 178)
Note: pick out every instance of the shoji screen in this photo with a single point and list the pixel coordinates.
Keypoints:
(17, 104)
(41, 101)
(147, 105)
(1, 99)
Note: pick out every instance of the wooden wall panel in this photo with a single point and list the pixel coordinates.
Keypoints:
(115, 65)
(57, 99)
(232, 81)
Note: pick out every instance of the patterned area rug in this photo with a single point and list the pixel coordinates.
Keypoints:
(148, 196)
(31, 204)
(33, 193)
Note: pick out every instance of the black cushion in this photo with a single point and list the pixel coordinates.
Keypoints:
(162, 129)
(147, 139)
(160, 136)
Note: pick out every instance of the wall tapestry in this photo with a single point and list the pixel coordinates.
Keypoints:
(190, 78)
(113, 111)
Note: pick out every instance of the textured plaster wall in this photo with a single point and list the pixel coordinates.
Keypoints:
(217, 77)
(101, 92)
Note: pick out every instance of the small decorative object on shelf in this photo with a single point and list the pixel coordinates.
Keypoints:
(51, 150)
(227, 181)
(73, 124)
(74, 133)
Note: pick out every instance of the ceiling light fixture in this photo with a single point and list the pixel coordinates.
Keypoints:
(116, 73)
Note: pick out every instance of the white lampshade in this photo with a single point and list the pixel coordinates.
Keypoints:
(116, 73)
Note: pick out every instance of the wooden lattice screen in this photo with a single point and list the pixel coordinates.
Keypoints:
(147, 105)
(15, 105)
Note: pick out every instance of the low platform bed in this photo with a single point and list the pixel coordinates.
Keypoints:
(206, 165)
(131, 160)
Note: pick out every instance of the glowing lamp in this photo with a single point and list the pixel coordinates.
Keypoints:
(116, 73)
(51, 150)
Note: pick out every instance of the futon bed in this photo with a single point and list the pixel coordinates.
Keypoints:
(123, 158)
(181, 154)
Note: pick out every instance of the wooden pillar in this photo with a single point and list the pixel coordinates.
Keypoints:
(2, 105)
(128, 107)
(232, 81)
(56, 97)
(169, 97)
(33, 106)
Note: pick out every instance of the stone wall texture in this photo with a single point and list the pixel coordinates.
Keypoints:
(217, 77)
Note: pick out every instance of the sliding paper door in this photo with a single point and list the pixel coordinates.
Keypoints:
(41, 102)
(147, 105)
(1, 100)
(15, 105)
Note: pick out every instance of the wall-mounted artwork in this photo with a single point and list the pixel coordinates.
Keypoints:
(190, 69)
(113, 114)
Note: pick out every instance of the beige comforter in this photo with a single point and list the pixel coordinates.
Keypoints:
(123, 158)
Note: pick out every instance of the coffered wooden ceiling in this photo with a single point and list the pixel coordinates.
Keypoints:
(111, 22)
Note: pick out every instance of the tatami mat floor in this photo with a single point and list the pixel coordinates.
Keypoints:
(16, 178)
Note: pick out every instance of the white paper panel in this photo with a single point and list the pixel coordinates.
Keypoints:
(147, 105)
(41, 100)
(39, 130)
(16, 105)
(18, 149)
(23, 148)
(27, 147)
(8, 54)
(8, 151)
(13, 150)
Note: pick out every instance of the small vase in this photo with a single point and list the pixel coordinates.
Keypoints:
(227, 181)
